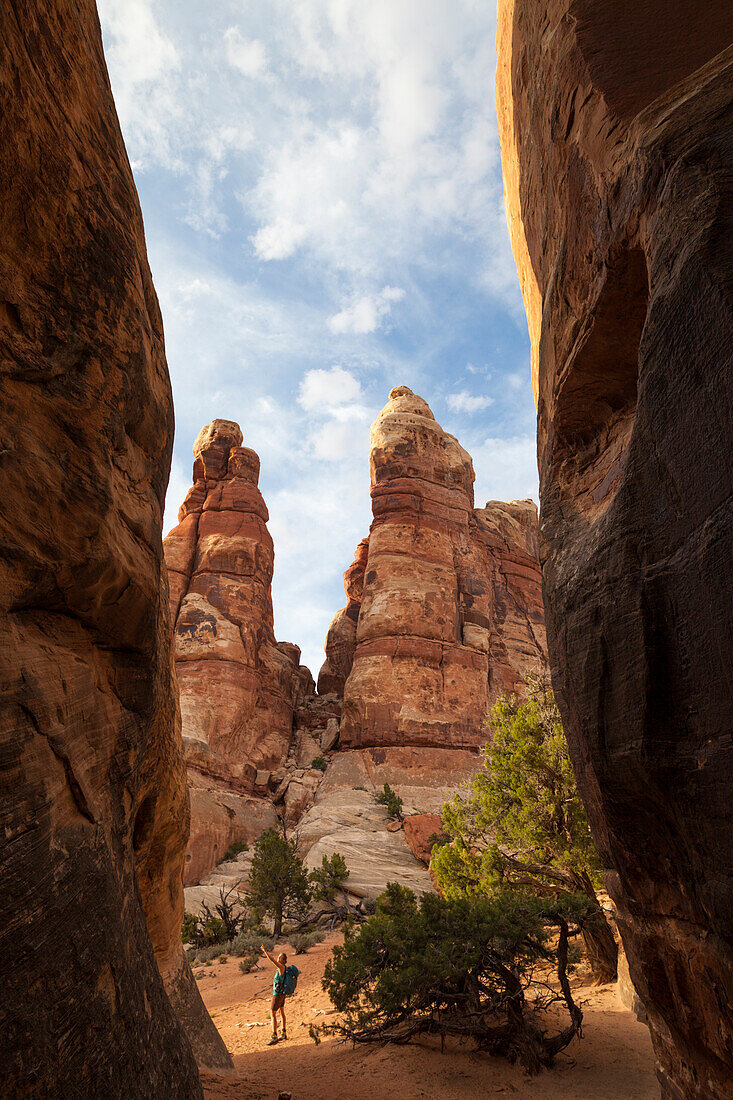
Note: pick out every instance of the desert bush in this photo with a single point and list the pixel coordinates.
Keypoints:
(234, 850)
(391, 802)
(522, 824)
(206, 954)
(248, 941)
(189, 928)
(320, 763)
(458, 966)
(302, 941)
(249, 961)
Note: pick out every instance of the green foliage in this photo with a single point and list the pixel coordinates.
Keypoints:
(249, 961)
(457, 967)
(522, 824)
(278, 883)
(234, 849)
(320, 763)
(302, 941)
(329, 879)
(248, 941)
(391, 802)
(523, 807)
(189, 928)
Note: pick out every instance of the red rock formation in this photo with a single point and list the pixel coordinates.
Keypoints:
(617, 124)
(341, 638)
(238, 686)
(450, 614)
(94, 810)
(419, 831)
(509, 532)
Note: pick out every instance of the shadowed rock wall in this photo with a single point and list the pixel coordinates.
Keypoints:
(93, 814)
(617, 144)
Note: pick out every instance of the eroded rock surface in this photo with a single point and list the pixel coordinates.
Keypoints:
(239, 687)
(94, 811)
(444, 606)
(617, 144)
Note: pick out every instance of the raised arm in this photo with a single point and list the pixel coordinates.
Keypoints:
(280, 966)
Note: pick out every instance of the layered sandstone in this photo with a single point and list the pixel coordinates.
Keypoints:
(94, 809)
(239, 687)
(616, 126)
(444, 613)
(341, 638)
(444, 604)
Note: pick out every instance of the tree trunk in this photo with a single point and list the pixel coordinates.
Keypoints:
(601, 949)
(278, 923)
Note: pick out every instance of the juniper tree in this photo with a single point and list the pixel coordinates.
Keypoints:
(459, 967)
(278, 880)
(522, 824)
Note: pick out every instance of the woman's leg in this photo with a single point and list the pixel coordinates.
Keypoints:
(282, 1013)
(273, 1015)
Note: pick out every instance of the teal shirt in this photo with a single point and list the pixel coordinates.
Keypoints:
(278, 984)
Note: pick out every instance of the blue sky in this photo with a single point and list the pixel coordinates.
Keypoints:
(321, 188)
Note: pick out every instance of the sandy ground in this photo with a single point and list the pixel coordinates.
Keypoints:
(613, 1061)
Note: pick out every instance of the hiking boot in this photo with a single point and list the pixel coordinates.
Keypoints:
(272, 1040)
(283, 1036)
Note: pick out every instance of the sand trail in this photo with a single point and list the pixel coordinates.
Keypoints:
(614, 1060)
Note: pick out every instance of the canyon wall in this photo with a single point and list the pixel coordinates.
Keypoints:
(94, 810)
(617, 144)
(239, 687)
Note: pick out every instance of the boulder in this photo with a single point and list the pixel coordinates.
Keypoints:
(374, 859)
(616, 130)
(308, 748)
(97, 996)
(419, 828)
(330, 736)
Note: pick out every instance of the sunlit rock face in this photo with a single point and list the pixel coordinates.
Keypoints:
(444, 605)
(617, 145)
(239, 688)
(444, 613)
(94, 808)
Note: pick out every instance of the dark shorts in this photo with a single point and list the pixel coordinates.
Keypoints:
(278, 1000)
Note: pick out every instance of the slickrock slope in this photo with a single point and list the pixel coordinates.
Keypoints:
(617, 144)
(239, 688)
(93, 810)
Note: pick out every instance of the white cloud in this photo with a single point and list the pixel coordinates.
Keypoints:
(365, 314)
(354, 143)
(465, 402)
(278, 240)
(336, 440)
(326, 391)
(248, 55)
